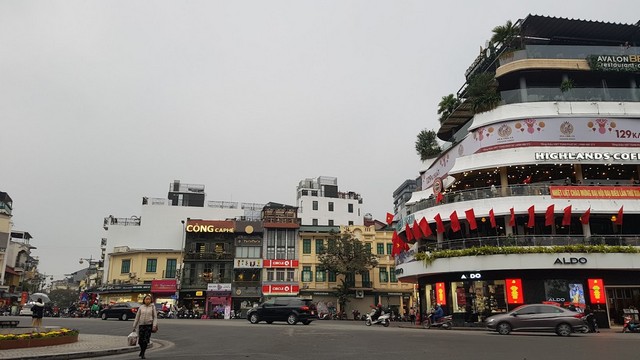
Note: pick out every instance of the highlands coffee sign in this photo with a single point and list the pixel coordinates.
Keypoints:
(570, 261)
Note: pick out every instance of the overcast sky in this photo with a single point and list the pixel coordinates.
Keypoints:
(103, 102)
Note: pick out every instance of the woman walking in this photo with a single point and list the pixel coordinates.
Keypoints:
(37, 314)
(146, 320)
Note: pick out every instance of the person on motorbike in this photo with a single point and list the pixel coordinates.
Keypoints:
(377, 312)
(437, 314)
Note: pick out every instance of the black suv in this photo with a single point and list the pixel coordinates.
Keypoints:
(120, 311)
(286, 309)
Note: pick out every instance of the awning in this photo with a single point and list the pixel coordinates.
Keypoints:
(10, 270)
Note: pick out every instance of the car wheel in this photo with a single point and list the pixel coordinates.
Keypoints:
(306, 322)
(386, 323)
(292, 319)
(104, 316)
(504, 328)
(254, 319)
(563, 330)
(367, 322)
(124, 317)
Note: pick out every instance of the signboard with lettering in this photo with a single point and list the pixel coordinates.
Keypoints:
(441, 294)
(247, 263)
(219, 287)
(243, 241)
(280, 263)
(594, 192)
(284, 289)
(514, 291)
(624, 63)
(209, 226)
(596, 291)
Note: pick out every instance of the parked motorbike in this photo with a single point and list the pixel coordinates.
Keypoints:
(445, 322)
(383, 319)
(324, 316)
(630, 325)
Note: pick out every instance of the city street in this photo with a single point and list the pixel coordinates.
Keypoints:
(332, 339)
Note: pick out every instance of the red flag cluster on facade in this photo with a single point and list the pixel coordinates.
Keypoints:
(455, 223)
(532, 217)
(512, 219)
(398, 245)
(417, 233)
(439, 224)
(492, 218)
(408, 233)
(585, 217)
(439, 198)
(425, 228)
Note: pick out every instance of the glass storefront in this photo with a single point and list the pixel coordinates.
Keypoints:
(472, 301)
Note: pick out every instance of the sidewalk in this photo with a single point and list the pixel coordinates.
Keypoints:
(88, 346)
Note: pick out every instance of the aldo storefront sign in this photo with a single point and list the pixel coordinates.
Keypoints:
(570, 261)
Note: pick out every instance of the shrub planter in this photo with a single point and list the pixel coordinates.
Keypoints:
(29, 342)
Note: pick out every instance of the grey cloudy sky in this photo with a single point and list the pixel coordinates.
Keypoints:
(103, 102)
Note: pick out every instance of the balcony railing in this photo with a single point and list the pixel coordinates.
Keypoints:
(208, 256)
(538, 94)
(537, 189)
(534, 240)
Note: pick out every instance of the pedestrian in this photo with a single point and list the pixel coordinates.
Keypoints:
(146, 320)
(38, 313)
(412, 315)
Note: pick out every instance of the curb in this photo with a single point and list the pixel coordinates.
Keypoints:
(155, 345)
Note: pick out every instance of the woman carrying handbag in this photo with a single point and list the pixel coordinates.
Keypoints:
(147, 322)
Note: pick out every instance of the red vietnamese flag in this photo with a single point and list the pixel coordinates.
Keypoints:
(439, 224)
(408, 233)
(512, 219)
(566, 218)
(389, 218)
(492, 218)
(471, 218)
(439, 198)
(585, 217)
(396, 244)
(425, 228)
(417, 234)
(532, 217)
(619, 217)
(455, 223)
(548, 216)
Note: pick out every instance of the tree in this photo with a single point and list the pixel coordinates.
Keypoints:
(505, 34)
(482, 92)
(346, 255)
(427, 145)
(447, 106)
(63, 297)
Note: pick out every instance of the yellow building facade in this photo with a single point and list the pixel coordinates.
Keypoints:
(378, 285)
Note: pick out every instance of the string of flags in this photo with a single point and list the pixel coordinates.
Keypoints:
(423, 229)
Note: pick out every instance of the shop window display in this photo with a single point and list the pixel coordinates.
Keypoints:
(478, 299)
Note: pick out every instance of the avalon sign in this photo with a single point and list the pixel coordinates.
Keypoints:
(570, 261)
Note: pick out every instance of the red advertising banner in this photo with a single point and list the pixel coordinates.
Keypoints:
(24, 297)
(596, 291)
(280, 263)
(163, 286)
(594, 192)
(441, 294)
(285, 289)
(514, 291)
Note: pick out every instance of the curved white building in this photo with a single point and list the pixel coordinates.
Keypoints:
(544, 186)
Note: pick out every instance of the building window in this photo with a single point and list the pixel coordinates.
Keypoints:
(332, 276)
(384, 276)
(392, 271)
(270, 274)
(280, 274)
(314, 222)
(366, 281)
(152, 265)
(350, 222)
(368, 247)
(314, 193)
(330, 205)
(306, 274)
(320, 275)
(389, 249)
(251, 252)
(125, 267)
(306, 246)
(291, 275)
(170, 272)
(380, 248)
(330, 222)
(315, 205)
(350, 208)
(319, 246)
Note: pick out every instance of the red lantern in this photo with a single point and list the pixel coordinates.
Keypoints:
(441, 294)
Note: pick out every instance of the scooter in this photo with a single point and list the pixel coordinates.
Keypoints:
(630, 325)
(383, 319)
(445, 322)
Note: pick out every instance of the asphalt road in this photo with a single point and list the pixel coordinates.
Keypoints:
(334, 339)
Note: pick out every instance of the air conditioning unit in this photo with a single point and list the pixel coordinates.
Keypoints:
(359, 294)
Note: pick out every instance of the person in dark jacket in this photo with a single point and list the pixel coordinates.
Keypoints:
(38, 313)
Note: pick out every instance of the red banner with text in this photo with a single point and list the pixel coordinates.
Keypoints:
(594, 192)
(514, 291)
(596, 291)
(441, 294)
